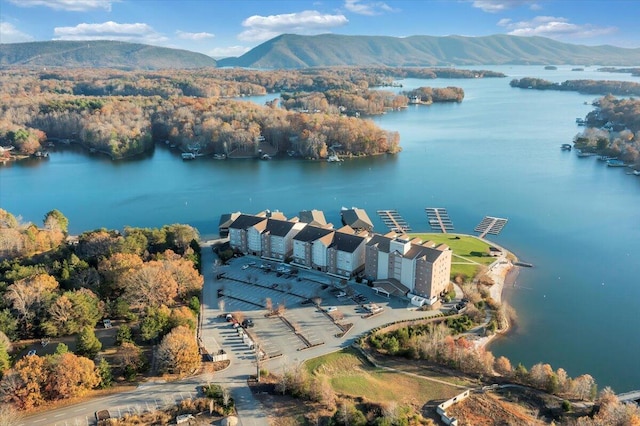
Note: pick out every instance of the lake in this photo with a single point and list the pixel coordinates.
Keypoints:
(497, 153)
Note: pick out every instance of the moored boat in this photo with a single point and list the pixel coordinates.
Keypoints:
(565, 147)
(188, 156)
(615, 163)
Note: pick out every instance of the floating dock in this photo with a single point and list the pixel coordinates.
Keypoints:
(439, 219)
(490, 225)
(394, 221)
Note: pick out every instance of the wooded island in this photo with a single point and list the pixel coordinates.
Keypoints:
(123, 113)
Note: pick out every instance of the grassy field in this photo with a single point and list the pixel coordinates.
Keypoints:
(469, 253)
(349, 374)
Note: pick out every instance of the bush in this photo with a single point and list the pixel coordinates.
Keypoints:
(566, 406)
(194, 305)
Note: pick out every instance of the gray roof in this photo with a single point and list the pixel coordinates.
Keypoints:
(392, 286)
(381, 241)
(311, 233)
(279, 228)
(227, 219)
(346, 242)
(417, 251)
(245, 221)
(313, 217)
(357, 219)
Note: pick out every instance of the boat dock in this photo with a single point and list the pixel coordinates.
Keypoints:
(439, 219)
(394, 221)
(490, 225)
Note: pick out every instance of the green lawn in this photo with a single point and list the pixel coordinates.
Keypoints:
(350, 375)
(468, 251)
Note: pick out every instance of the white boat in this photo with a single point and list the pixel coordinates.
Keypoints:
(636, 172)
(334, 159)
(220, 156)
(188, 156)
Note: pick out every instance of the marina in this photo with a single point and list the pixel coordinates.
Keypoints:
(393, 221)
(439, 219)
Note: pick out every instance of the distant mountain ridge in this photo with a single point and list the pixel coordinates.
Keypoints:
(100, 54)
(299, 51)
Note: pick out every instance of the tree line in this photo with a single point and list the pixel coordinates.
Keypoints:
(613, 129)
(122, 113)
(145, 281)
(596, 87)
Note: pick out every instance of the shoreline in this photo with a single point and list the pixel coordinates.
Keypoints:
(503, 272)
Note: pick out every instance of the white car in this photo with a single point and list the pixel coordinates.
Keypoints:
(331, 309)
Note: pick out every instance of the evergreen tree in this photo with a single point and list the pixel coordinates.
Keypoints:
(87, 344)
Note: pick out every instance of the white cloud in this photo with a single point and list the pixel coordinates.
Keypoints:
(369, 9)
(10, 34)
(139, 33)
(227, 52)
(260, 28)
(553, 27)
(494, 6)
(194, 36)
(70, 5)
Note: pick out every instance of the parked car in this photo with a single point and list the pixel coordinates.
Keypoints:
(247, 323)
(32, 352)
(102, 415)
(306, 302)
(330, 309)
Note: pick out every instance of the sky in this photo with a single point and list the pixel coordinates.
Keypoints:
(223, 28)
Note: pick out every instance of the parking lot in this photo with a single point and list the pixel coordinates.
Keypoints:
(249, 285)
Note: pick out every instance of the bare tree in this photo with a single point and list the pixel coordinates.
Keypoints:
(226, 397)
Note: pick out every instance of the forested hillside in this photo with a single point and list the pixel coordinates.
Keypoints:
(99, 54)
(299, 51)
(123, 113)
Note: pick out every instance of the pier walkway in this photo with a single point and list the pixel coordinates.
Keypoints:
(394, 221)
(490, 225)
(439, 219)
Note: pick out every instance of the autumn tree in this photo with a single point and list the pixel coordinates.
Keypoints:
(71, 375)
(29, 297)
(187, 278)
(129, 358)
(150, 285)
(503, 366)
(178, 352)
(24, 384)
(72, 311)
(115, 269)
(56, 221)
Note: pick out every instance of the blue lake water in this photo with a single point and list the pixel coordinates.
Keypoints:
(497, 153)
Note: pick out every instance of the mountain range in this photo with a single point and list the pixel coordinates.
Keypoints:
(299, 51)
(100, 54)
(296, 51)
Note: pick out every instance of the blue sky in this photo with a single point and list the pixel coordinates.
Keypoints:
(222, 28)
